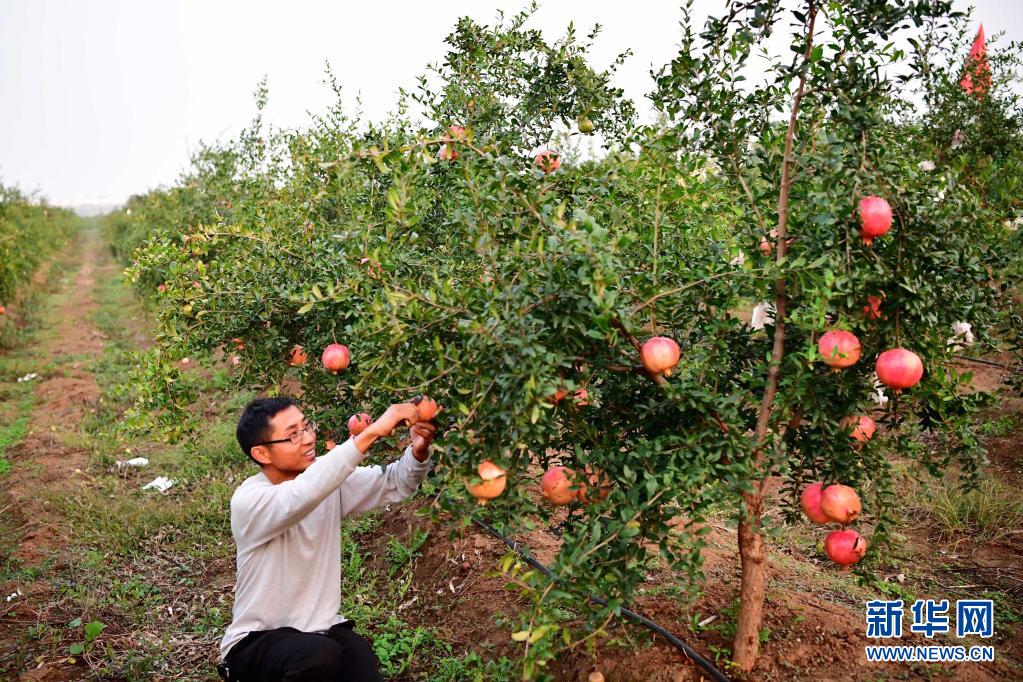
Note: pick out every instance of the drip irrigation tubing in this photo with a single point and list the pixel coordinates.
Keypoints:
(642, 620)
(1008, 368)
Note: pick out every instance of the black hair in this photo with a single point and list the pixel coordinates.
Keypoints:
(254, 424)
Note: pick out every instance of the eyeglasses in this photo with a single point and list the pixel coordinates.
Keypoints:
(294, 438)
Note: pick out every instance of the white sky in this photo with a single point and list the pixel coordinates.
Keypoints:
(105, 98)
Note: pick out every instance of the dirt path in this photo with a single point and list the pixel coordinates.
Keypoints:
(50, 459)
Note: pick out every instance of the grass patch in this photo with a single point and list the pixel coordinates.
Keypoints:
(988, 514)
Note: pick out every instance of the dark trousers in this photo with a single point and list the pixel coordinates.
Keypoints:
(288, 655)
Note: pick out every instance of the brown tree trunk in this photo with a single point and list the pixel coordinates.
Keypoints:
(752, 552)
(754, 582)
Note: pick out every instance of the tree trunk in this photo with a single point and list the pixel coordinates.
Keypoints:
(754, 581)
(752, 554)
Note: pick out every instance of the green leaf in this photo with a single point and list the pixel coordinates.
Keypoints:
(93, 629)
(76, 649)
(306, 308)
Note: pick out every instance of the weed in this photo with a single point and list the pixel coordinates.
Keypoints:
(988, 513)
(399, 555)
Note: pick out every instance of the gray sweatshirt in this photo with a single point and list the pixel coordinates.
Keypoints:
(289, 538)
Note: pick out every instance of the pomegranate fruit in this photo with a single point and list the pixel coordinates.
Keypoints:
(456, 132)
(875, 218)
(660, 355)
(161, 288)
(840, 503)
(839, 348)
(581, 397)
(861, 427)
(557, 396)
(3, 310)
(297, 356)
(448, 153)
(427, 408)
(810, 501)
(899, 368)
(357, 423)
(493, 482)
(548, 161)
(557, 486)
(585, 124)
(336, 357)
(845, 547)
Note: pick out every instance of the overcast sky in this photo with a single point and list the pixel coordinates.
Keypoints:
(105, 98)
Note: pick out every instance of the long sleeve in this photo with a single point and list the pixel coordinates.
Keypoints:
(261, 512)
(371, 487)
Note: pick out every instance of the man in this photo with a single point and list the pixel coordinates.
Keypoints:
(286, 523)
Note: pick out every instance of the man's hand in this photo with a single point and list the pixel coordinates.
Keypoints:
(422, 436)
(386, 424)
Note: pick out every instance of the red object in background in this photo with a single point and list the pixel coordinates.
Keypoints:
(977, 74)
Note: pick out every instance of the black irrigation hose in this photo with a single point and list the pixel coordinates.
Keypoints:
(1008, 367)
(700, 660)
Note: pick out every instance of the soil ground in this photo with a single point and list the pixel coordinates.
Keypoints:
(164, 608)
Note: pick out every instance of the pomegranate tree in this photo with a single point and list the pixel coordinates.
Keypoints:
(522, 300)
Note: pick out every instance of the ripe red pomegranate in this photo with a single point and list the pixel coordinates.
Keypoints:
(810, 501)
(448, 153)
(840, 503)
(872, 311)
(494, 480)
(839, 348)
(875, 218)
(297, 356)
(596, 480)
(456, 132)
(557, 485)
(357, 423)
(336, 357)
(845, 547)
(427, 408)
(861, 427)
(557, 396)
(659, 355)
(899, 368)
(548, 161)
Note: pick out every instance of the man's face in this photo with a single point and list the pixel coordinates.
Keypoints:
(284, 461)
